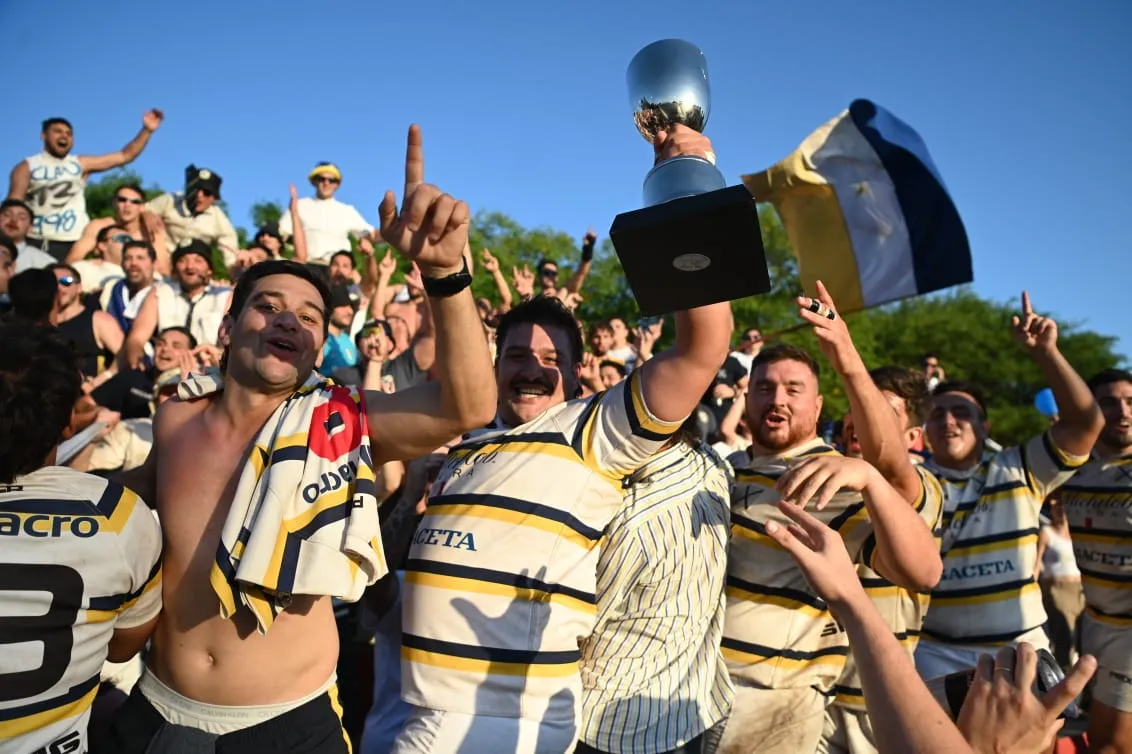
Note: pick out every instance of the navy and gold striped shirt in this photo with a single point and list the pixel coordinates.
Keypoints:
(79, 558)
(903, 610)
(778, 633)
(988, 595)
(501, 578)
(1098, 503)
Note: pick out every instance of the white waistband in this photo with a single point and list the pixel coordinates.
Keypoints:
(214, 718)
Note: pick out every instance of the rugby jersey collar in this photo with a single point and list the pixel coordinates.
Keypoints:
(662, 460)
(790, 454)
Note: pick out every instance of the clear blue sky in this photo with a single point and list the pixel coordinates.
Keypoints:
(1024, 105)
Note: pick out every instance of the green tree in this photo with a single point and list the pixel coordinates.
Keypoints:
(263, 213)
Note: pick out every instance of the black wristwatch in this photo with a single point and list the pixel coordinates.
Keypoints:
(449, 285)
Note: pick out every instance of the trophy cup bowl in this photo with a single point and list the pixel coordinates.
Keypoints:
(668, 84)
(696, 241)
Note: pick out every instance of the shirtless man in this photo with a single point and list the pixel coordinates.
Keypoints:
(270, 692)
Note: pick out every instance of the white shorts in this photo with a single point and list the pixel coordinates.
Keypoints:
(934, 659)
(438, 732)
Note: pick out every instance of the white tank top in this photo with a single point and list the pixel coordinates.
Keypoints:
(56, 196)
(1058, 560)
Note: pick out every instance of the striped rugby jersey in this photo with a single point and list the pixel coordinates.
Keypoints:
(778, 633)
(501, 577)
(652, 671)
(1098, 503)
(902, 610)
(988, 595)
(79, 558)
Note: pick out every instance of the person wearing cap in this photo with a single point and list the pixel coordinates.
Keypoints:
(328, 223)
(190, 300)
(15, 222)
(339, 350)
(194, 214)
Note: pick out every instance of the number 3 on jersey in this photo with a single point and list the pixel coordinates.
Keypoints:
(21, 587)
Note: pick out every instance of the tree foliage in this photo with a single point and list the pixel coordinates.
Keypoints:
(970, 334)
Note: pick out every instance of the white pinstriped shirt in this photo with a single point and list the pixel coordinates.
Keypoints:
(653, 675)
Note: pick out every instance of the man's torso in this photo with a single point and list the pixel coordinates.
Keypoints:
(988, 595)
(55, 195)
(195, 651)
(778, 632)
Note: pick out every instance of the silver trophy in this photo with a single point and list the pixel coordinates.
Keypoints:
(668, 84)
(696, 240)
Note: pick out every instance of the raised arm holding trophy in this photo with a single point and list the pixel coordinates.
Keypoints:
(697, 241)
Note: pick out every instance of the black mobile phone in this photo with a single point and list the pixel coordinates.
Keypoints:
(646, 322)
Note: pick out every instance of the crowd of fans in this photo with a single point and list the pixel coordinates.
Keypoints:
(584, 545)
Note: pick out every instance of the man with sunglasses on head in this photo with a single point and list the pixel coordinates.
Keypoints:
(15, 222)
(129, 219)
(327, 222)
(194, 214)
(53, 181)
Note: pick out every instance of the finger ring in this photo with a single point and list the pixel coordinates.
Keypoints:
(1005, 670)
(821, 309)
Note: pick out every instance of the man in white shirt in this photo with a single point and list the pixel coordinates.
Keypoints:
(52, 182)
(749, 346)
(15, 222)
(327, 222)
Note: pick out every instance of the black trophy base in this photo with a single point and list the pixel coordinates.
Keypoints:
(692, 252)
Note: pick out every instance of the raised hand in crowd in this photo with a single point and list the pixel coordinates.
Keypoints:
(904, 715)
(644, 338)
(207, 355)
(1002, 715)
(1079, 417)
(386, 267)
(489, 262)
(152, 119)
(524, 282)
(414, 281)
(431, 227)
(569, 299)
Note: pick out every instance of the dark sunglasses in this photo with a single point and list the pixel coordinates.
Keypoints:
(325, 179)
(549, 272)
(66, 281)
(206, 192)
(128, 200)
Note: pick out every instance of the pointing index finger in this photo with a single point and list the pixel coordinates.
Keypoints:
(1027, 308)
(414, 159)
